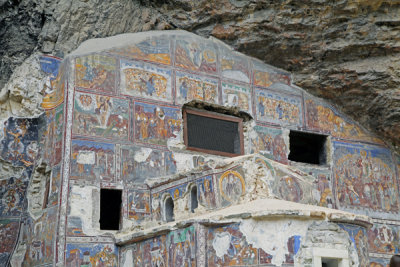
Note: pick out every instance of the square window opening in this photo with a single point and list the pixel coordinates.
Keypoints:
(110, 209)
(326, 262)
(213, 133)
(307, 148)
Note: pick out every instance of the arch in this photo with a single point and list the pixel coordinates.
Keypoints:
(194, 203)
(168, 209)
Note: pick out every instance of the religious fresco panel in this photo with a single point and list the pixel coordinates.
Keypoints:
(378, 262)
(140, 79)
(156, 206)
(365, 178)
(323, 118)
(195, 55)
(384, 239)
(155, 124)
(138, 204)
(270, 143)
(101, 116)
(194, 87)
(52, 137)
(231, 185)
(206, 192)
(41, 236)
(75, 226)
(289, 188)
(151, 252)
(91, 254)
(234, 66)
(273, 107)
(322, 185)
(237, 96)
(96, 72)
(154, 48)
(181, 247)
(140, 163)
(239, 252)
(53, 91)
(8, 236)
(91, 161)
(265, 76)
(20, 144)
(359, 238)
(12, 196)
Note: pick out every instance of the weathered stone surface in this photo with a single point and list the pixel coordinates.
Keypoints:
(346, 51)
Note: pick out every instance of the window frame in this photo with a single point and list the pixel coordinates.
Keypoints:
(213, 115)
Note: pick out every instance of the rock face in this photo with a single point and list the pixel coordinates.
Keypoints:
(346, 51)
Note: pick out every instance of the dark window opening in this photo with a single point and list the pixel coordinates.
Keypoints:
(193, 199)
(307, 148)
(46, 193)
(110, 209)
(330, 262)
(213, 133)
(169, 209)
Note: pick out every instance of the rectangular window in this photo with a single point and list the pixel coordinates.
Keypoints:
(110, 209)
(213, 133)
(307, 148)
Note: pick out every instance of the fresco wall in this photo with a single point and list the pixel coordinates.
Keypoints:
(28, 144)
(122, 124)
(127, 112)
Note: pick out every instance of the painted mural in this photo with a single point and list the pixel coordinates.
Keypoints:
(265, 77)
(8, 237)
(96, 72)
(322, 185)
(155, 124)
(194, 87)
(206, 192)
(156, 206)
(270, 143)
(41, 238)
(55, 185)
(75, 226)
(323, 118)
(151, 252)
(227, 246)
(384, 238)
(289, 188)
(231, 186)
(234, 66)
(51, 138)
(359, 238)
(237, 96)
(53, 91)
(181, 247)
(96, 255)
(101, 116)
(140, 163)
(12, 196)
(378, 262)
(155, 49)
(138, 204)
(145, 80)
(91, 161)
(20, 144)
(278, 108)
(365, 177)
(193, 55)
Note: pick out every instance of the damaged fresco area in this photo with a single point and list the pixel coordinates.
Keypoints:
(140, 163)
(270, 143)
(8, 237)
(384, 239)
(152, 252)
